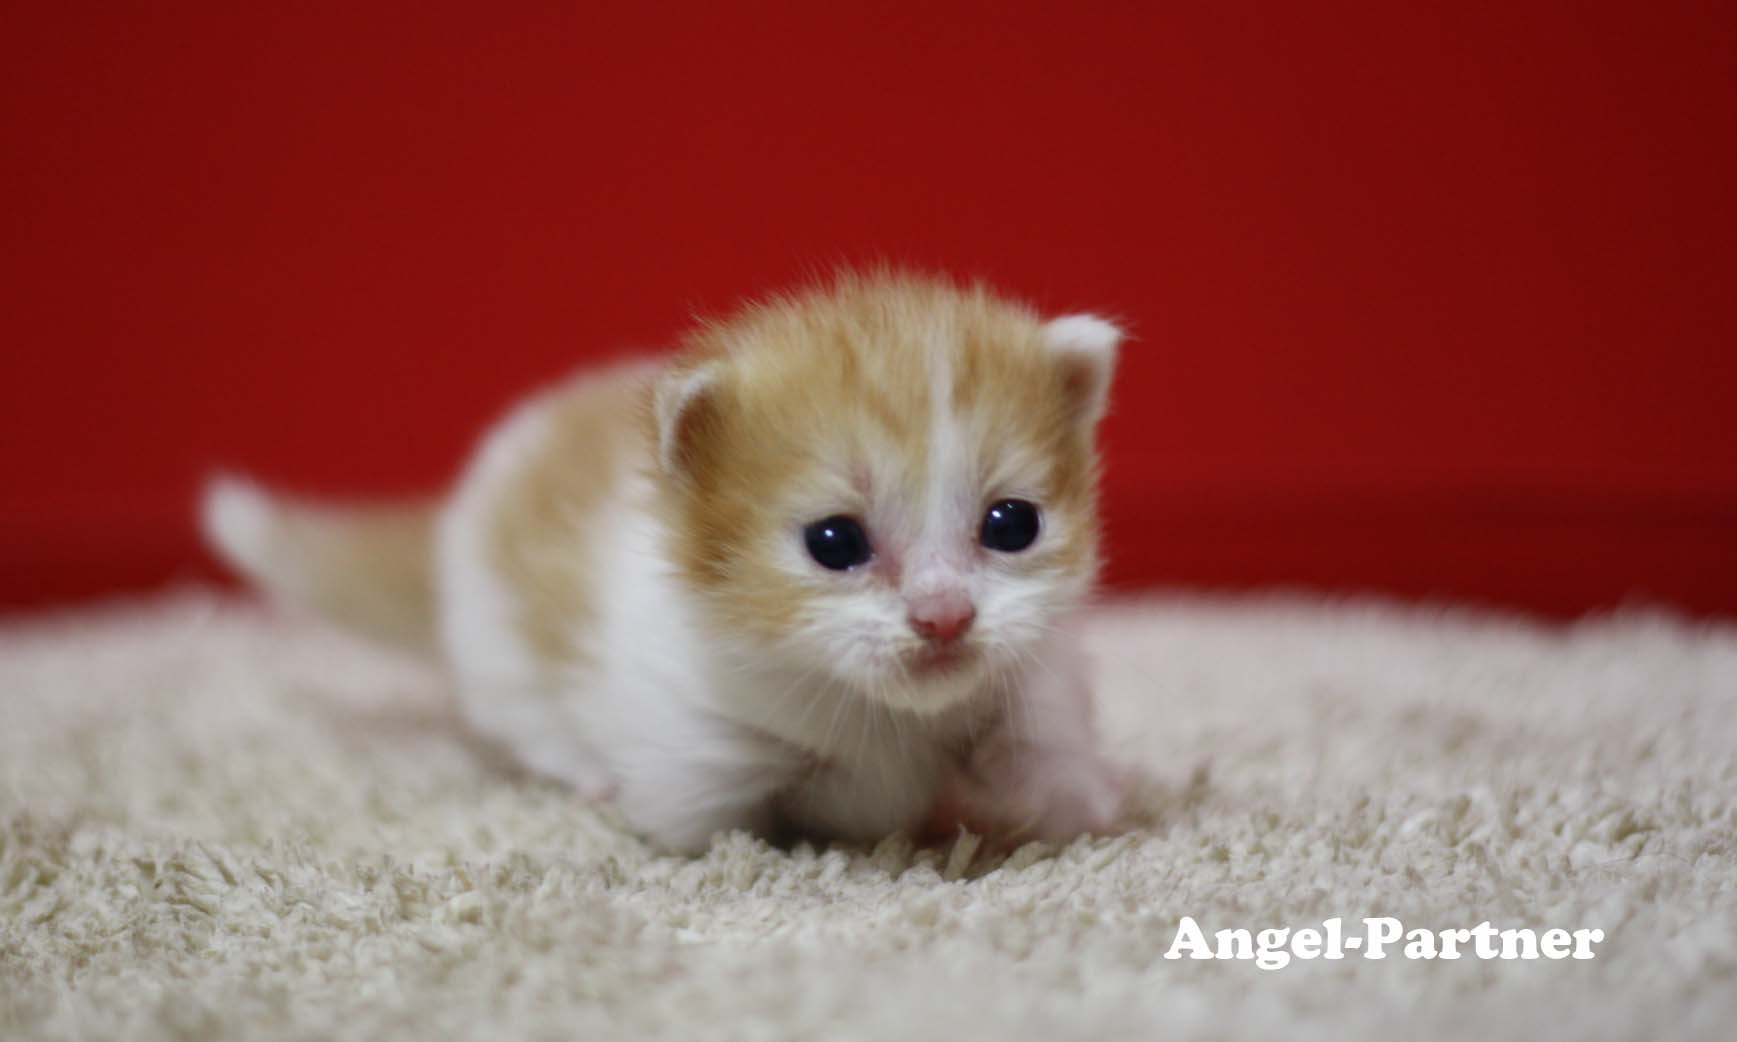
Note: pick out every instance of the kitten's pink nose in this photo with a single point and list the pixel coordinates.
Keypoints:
(941, 617)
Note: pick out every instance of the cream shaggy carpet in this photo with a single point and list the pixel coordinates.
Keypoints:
(216, 824)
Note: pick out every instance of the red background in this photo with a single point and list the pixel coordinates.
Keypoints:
(1435, 300)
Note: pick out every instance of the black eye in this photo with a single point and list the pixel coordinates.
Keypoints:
(1010, 526)
(837, 543)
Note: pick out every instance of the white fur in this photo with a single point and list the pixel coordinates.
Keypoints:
(1084, 333)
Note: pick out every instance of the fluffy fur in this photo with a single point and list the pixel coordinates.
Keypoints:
(620, 584)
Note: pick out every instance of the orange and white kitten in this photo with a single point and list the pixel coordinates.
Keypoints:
(814, 573)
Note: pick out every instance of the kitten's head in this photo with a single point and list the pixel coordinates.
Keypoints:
(890, 483)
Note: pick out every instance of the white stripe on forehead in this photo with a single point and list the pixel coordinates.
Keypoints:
(949, 470)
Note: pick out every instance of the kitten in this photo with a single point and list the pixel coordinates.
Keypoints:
(815, 573)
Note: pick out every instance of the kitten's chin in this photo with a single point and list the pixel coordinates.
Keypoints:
(931, 682)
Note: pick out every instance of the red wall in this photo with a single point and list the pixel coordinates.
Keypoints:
(1436, 299)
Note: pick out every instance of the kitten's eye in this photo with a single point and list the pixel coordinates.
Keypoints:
(1010, 526)
(837, 543)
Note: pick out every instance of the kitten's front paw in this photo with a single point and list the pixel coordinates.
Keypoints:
(1012, 797)
(1079, 797)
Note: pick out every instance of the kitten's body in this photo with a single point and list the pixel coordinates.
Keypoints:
(621, 589)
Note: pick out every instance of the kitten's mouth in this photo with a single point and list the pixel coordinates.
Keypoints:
(932, 662)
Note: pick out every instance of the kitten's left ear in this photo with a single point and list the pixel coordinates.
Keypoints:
(1086, 347)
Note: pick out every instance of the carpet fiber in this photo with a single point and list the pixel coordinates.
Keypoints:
(219, 824)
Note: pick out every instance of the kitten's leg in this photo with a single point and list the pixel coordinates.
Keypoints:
(678, 794)
(1038, 773)
(529, 726)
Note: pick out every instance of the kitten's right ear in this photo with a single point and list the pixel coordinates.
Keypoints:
(1086, 346)
(684, 404)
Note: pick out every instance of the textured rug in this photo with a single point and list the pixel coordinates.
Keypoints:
(215, 823)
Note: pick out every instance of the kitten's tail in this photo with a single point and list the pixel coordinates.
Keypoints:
(368, 568)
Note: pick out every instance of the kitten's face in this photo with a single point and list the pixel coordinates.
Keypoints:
(892, 487)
